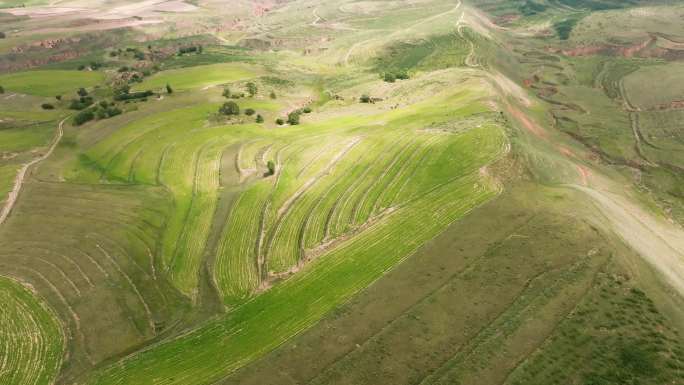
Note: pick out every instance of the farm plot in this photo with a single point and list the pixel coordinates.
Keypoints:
(655, 86)
(102, 260)
(49, 83)
(197, 77)
(31, 339)
(248, 331)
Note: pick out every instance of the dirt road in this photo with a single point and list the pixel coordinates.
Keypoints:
(21, 175)
(661, 244)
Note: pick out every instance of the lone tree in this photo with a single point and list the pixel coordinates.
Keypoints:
(2, 90)
(365, 99)
(271, 168)
(226, 92)
(252, 89)
(280, 121)
(230, 108)
(2, 35)
(273, 95)
(82, 92)
(259, 119)
(249, 112)
(169, 90)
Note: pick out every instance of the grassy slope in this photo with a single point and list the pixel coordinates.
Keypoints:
(32, 339)
(49, 83)
(197, 77)
(303, 299)
(527, 266)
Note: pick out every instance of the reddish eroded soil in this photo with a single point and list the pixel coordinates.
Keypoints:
(614, 50)
(529, 124)
(673, 105)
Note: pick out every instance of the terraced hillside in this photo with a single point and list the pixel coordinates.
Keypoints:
(348, 192)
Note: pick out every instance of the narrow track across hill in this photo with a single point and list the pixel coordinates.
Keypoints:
(21, 175)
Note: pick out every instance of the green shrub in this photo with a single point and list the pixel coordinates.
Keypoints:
(293, 118)
(271, 167)
(132, 95)
(83, 117)
(81, 103)
(229, 108)
(252, 89)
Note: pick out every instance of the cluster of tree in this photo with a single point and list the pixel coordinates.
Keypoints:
(102, 110)
(232, 109)
(293, 117)
(125, 94)
(84, 100)
(191, 49)
(252, 89)
(138, 54)
(83, 117)
(230, 95)
(105, 110)
(391, 77)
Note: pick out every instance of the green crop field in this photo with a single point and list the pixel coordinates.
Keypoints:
(198, 76)
(49, 83)
(341, 192)
(32, 339)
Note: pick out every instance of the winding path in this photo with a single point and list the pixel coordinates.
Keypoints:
(21, 175)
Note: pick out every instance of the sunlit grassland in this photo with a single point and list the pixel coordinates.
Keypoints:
(27, 137)
(198, 76)
(318, 164)
(49, 83)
